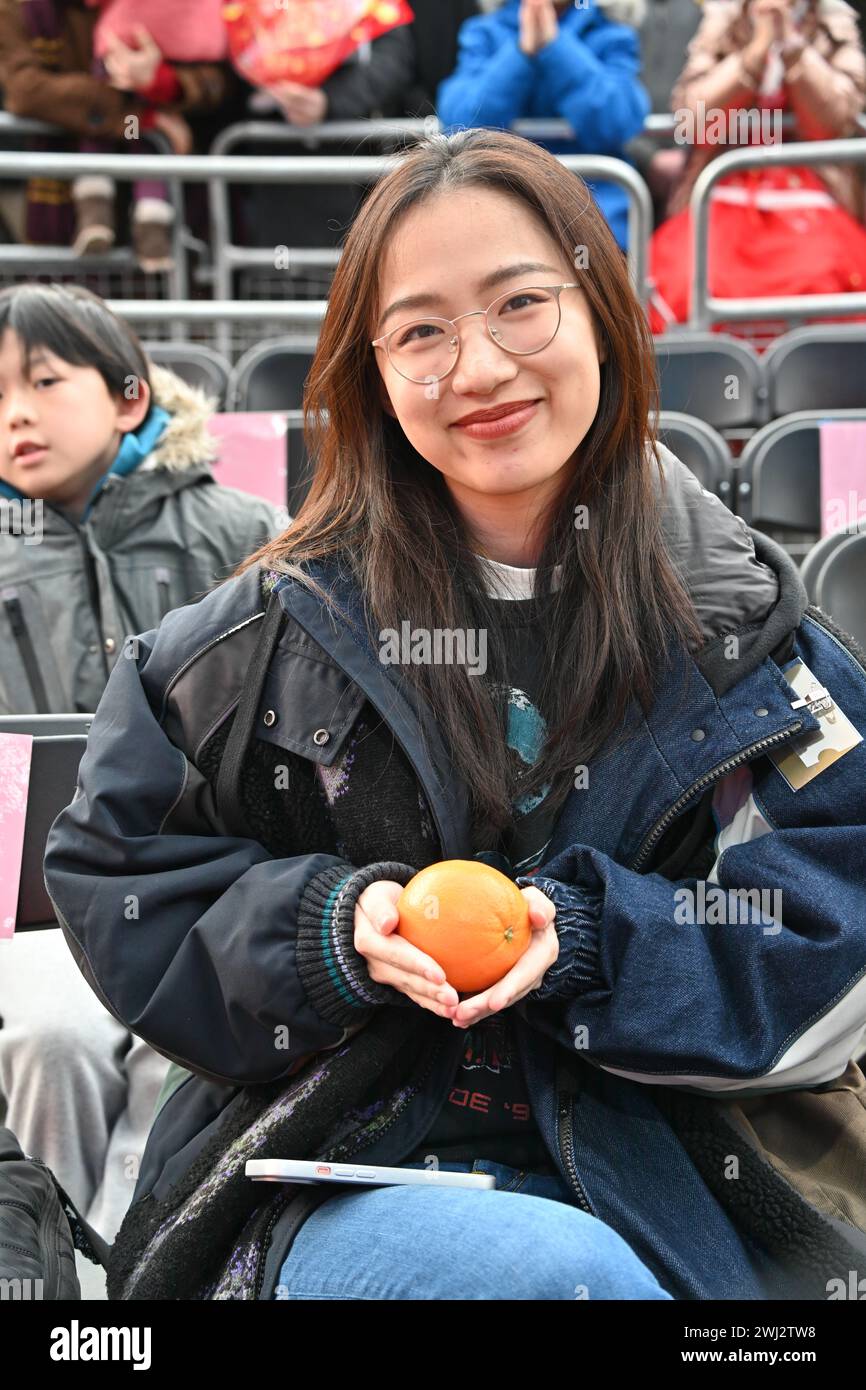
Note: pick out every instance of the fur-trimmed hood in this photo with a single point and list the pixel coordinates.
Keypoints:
(186, 440)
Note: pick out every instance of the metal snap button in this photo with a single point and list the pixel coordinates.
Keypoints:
(269, 717)
(698, 734)
(109, 644)
(321, 736)
(93, 647)
(761, 711)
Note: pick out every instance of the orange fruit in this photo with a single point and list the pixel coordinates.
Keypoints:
(469, 917)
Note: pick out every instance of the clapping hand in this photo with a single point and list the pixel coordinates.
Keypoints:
(538, 25)
(132, 69)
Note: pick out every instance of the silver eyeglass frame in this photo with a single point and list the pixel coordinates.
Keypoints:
(456, 338)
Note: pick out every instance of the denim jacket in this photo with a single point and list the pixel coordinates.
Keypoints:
(681, 1003)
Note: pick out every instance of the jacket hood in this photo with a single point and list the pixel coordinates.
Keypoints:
(173, 439)
(741, 582)
(186, 441)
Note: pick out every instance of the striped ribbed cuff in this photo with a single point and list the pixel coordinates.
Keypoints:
(578, 914)
(333, 973)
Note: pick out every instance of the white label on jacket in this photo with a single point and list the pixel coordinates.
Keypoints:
(805, 758)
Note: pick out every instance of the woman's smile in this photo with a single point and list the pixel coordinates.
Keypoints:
(505, 424)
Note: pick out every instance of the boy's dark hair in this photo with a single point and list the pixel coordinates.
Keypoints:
(77, 326)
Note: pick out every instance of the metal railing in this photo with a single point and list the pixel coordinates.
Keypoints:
(706, 309)
(335, 169)
(217, 170)
(68, 166)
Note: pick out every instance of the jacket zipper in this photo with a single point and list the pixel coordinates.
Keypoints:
(565, 1088)
(24, 641)
(566, 1148)
(707, 780)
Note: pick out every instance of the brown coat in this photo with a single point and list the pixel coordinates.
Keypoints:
(826, 89)
(50, 79)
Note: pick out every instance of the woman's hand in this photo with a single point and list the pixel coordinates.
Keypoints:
(527, 974)
(391, 960)
(771, 21)
(538, 25)
(301, 105)
(132, 69)
(177, 130)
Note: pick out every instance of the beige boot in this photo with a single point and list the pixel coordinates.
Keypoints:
(152, 224)
(93, 197)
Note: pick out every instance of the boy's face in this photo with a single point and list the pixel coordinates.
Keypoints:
(60, 427)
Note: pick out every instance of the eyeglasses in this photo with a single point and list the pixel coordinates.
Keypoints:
(520, 321)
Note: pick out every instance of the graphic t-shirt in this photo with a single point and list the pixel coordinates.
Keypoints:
(488, 1111)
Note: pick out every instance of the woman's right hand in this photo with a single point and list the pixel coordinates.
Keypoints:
(391, 960)
(768, 25)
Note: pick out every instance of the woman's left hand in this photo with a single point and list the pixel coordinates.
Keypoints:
(529, 971)
(132, 69)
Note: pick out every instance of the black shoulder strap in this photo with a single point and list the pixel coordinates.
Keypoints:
(229, 777)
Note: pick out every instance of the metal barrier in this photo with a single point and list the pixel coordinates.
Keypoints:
(55, 164)
(315, 169)
(295, 312)
(705, 309)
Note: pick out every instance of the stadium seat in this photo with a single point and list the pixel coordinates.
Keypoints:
(818, 368)
(701, 449)
(817, 557)
(271, 375)
(780, 471)
(841, 584)
(711, 376)
(196, 364)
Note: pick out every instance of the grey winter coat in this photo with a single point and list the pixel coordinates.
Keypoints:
(153, 540)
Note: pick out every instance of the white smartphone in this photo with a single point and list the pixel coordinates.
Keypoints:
(369, 1175)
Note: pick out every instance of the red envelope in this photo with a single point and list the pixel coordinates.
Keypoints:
(304, 40)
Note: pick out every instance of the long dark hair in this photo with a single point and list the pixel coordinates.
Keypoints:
(387, 513)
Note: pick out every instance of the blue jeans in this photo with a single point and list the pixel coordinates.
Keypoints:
(454, 1244)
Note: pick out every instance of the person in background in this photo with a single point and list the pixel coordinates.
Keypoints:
(46, 58)
(133, 524)
(137, 45)
(540, 58)
(664, 36)
(374, 83)
(779, 229)
(435, 33)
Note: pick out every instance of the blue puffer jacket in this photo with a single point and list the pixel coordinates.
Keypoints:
(587, 76)
(689, 1034)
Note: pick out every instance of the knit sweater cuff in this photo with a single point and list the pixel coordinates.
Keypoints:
(333, 973)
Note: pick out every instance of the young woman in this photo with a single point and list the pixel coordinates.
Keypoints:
(282, 758)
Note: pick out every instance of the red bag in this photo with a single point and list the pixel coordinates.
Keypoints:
(304, 40)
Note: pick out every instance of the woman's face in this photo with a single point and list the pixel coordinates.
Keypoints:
(60, 427)
(445, 249)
